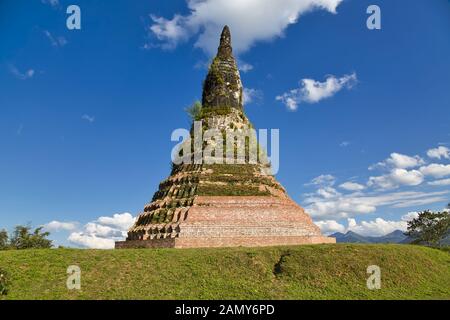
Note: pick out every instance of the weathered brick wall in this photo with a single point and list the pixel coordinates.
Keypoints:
(160, 243)
(234, 221)
(258, 241)
(223, 242)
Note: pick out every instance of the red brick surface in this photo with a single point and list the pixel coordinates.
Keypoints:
(223, 242)
(233, 221)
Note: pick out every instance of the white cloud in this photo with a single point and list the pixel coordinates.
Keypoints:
(436, 170)
(442, 182)
(398, 160)
(290, 102)
(28, 74)
(439, 152)
(330, 226)
(103, 232)
(53, 3)
(402, 161)
(312, 91)
(340, 207)
(349, 205)
(396, 178)
(410, 216)
(381, 183)
(376, 228)
(326, 203)
(344, 144)
(323, 180)
(245, 67)
(250, 21)
(251, 95)
(407, 178)
(59, 226)
(91, 241)
(419, 202)
(328, 192)
(55, 41)
(122, 221)
(88, 118)
(170, 32)
(352, 186)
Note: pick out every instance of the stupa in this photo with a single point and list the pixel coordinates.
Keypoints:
(222, 205)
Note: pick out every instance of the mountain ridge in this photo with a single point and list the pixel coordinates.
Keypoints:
(396, 236)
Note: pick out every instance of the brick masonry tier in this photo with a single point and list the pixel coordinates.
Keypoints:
(224, 242)
(223, 221)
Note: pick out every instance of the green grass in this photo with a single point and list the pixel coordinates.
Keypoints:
(296, 272)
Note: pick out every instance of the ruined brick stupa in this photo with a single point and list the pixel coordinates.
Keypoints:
(222, 205)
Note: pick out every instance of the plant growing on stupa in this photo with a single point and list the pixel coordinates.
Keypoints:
(195, 110)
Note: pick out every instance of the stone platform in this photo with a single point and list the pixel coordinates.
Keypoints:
(224, 221)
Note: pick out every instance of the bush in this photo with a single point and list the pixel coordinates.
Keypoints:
(4, 240)
(3, 283)
(429, 228)
(24, 238)
(195, 110)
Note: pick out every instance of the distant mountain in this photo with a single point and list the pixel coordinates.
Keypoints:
(394, 237)
(446, 240)
(352, 237)
(349, 237)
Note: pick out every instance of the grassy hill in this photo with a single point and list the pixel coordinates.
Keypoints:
(301, 272)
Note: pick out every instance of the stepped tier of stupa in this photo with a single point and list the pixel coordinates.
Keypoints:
(222, 205)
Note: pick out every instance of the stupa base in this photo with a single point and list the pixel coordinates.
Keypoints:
(231, 222)
(222, 242)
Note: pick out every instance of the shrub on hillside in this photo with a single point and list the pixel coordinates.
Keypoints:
(3, 283)
(429, 228)
(24, 238)
(3, 240)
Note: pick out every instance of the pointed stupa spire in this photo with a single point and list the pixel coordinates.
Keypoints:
(223, 86)
(225, 50)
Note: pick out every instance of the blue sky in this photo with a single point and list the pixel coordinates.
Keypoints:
(87, 114)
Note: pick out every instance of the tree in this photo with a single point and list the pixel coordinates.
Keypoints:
(429, 227)
(3, 240)
(24, 239)
(195, 110)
